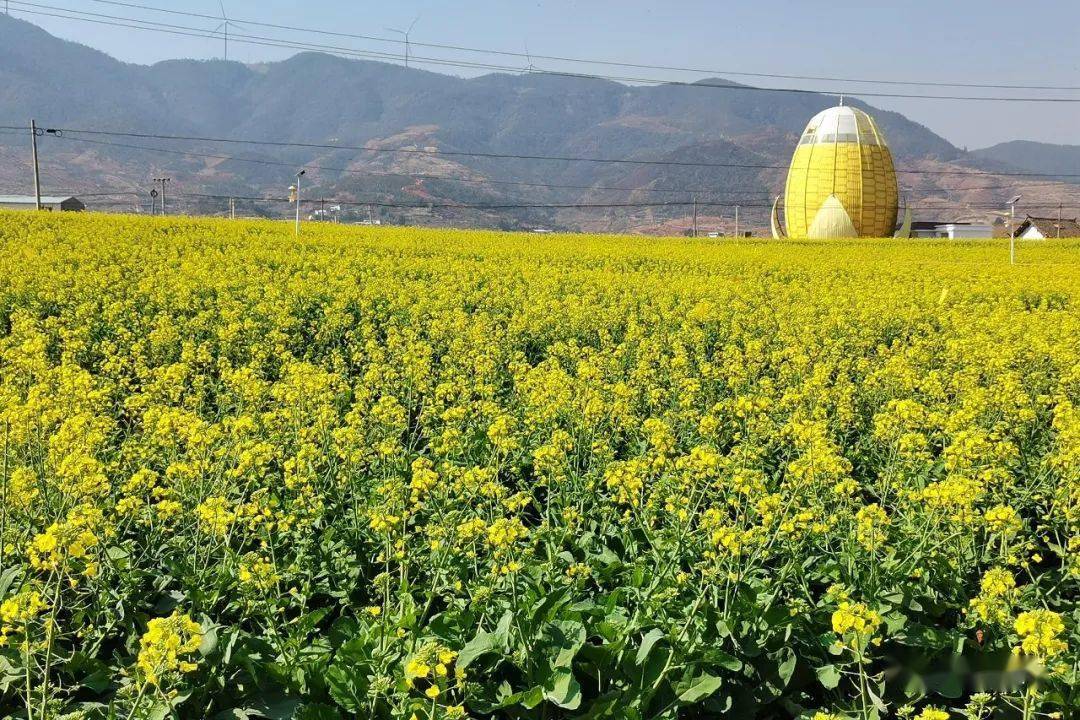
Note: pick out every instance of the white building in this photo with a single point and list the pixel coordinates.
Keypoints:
(50, 203)
(1040, 228)
(952, 230)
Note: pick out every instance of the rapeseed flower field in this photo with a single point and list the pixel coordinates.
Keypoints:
(426, 474)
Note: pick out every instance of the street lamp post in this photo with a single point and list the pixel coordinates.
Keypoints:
(294, 194)
(1012, 229)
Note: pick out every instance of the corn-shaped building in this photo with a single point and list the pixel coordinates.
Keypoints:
(841, 182)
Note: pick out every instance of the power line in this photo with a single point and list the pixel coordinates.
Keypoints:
(550, 206)
(186, 31)
(477, 181)
(376, 173)
(61, 133)
(493, 207)
(275, 42)
(613, 63)
(513, 156)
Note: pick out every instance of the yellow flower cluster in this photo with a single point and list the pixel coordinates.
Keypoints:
(856, 623)
(164, 644)
(23, 489)
(933, 713)
(995, 599)
(504, 532)
(432, 667)
(1040, 632)
(18, 611)
(257, 572)
(216, 515)
(66, 543)
(1003, 519)
(626, 480)
(871, 526)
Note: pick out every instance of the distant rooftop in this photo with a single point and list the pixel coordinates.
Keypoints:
(1048, 227)
(931, 224)
(29, 199)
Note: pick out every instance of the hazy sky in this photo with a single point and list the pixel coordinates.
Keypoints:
(974, 41)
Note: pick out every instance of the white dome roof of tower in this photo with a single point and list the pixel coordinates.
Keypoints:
(842, 123)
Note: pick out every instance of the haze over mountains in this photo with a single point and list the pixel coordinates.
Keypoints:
(327, 100)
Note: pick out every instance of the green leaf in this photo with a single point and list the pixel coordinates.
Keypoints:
(307, 623)
(647, 644)
(702, 687)
(895, 622)
(787, 667)
(879, 704)
(945, 684)
(563, 689)
(316, 711)
(722, 659)
(9, 675)
(7, 579)
(348, 689)
(829, 676)
(777, 671)
(89, 672)
(209, 640)
(532, 697)
(483, 643)
(655, 667)
(282, 709)
(502, 630)
(545, 609)
(611, 705)
(563, 640)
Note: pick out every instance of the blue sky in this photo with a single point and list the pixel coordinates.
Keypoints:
(984, 41)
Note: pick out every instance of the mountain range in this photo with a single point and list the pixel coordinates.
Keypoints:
(403, 144)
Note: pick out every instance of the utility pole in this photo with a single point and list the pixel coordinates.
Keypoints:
(736, 221)
(1012, 233)
(232, 208)
(163, 181)
(1059, 222)
(37, 172)
(695, 216)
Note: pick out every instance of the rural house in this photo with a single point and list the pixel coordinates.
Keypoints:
(1041, 228)
(51, 203)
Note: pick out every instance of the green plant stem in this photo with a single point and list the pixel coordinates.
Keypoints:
(49, 631)
(138, 700)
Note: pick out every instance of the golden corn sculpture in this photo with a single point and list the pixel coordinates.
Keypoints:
(841, 183)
